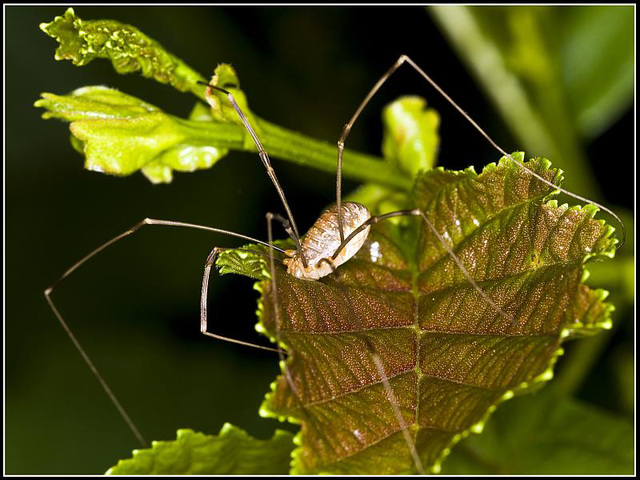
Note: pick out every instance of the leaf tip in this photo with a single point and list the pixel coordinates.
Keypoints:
(226, 428)
(69, 13)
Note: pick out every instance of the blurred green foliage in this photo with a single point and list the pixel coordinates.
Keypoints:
(559, 76)
(546, 434)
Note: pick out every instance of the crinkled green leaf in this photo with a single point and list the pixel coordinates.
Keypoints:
(152, 140)
(232, 452)
(450, 357)
(120, 134)
(242, 261)
(410, 134)
(547, 435)
(128, 48)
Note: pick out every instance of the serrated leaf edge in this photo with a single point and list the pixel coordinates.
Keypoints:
(524, 387)
(185, 433)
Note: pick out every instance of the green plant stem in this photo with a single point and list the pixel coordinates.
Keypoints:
(295, 147)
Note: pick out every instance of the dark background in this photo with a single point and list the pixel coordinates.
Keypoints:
(135, 308)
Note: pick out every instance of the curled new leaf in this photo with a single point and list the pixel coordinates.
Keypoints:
(129, 51)
(410, 134)
(410, 141)
(222, 111)
(449, 356)
(120, 134)
(128, 48)
(225, 76)
(232, 452)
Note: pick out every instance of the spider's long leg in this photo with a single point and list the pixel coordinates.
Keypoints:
(396, 410)
(75, 266)
(211, 260)
(276, 304)
(264, 156)
(287, 227)
(345, 133)
(105, 386)
(405, 59)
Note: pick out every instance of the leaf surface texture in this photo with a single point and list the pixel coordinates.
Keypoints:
(450, 357)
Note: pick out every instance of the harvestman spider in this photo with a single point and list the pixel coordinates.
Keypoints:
(334, 238)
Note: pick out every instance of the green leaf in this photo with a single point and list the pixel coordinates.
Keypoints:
(120, 134)
(128, 49)
(449, 356)
(618, 277)
(547, 435)
(242, 262)
(410, 136)
(200, 145)
(232, 452)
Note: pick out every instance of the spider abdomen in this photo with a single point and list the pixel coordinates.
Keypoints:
(323, 239)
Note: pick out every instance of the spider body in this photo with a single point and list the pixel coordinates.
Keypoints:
(323, 240)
